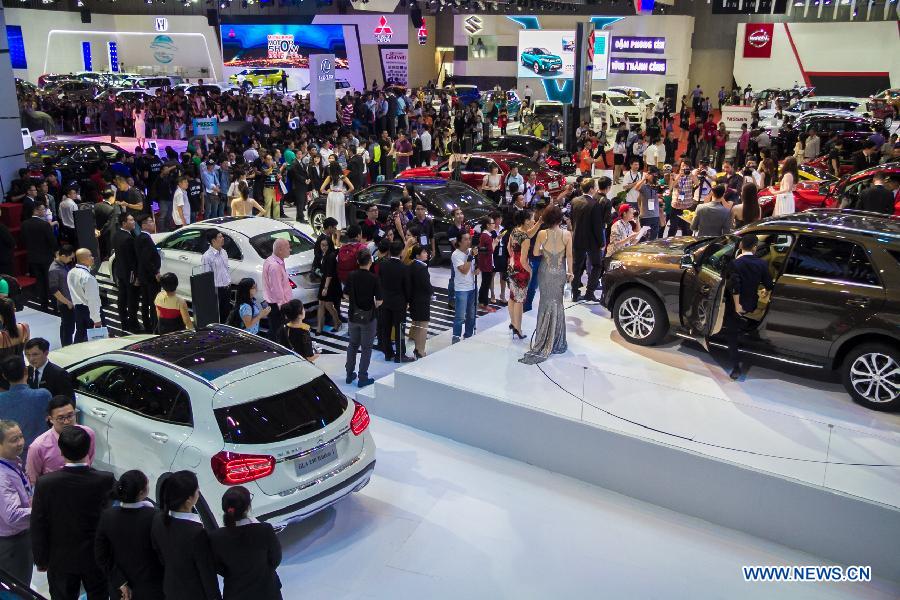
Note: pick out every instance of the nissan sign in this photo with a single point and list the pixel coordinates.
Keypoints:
(758, 39)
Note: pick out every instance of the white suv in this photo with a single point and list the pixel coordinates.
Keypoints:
(230, 406)
(248, 243)
(617, 106)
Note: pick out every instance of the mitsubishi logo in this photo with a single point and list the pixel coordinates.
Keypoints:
(383, 32)
(473, 24)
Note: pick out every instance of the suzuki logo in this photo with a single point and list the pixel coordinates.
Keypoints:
(473, 24)
(162, 24)
(759, 38)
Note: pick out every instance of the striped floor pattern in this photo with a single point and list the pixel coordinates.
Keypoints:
(328, 342)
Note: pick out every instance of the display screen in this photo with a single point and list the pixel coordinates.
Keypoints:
(286, 46)
(16, 47)
(281, 45)
(551, 54)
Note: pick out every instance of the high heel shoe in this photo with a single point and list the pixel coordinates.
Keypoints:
(510, 326)
(517, 333)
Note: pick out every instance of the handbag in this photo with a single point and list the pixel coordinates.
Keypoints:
(359, 315)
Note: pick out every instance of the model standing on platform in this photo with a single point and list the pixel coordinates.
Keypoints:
(555, 246)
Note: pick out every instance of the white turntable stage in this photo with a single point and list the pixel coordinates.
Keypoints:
(787, 457)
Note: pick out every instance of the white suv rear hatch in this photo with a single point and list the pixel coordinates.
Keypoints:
(305, 427)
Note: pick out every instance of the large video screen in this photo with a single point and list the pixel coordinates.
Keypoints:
(286, 46)
(551, 54)
(546, 54)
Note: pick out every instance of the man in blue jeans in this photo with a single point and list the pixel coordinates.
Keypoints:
(463, 263)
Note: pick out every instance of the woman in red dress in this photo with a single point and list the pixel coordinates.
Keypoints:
(519, 269)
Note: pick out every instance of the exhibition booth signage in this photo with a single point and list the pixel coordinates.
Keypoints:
(758, 40)
(638, 44)
(638, 66)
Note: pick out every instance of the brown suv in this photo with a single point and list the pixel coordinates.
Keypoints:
(835, 305)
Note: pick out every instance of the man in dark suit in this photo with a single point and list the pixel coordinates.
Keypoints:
(124, 272)
(65, 511)
(420, 298)
(748, 272)
(40, 246)
(148, 265)
(876, 198)
(865, 157)
(587, 239)
(393, 277)
(44, 374)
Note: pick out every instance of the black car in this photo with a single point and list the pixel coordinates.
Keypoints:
(853, 129)
(73, 89)
(835, 305)
(74, 158)
(557, 158)
(440, 197)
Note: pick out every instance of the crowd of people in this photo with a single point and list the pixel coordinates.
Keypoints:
(671, 176)
(87, 530)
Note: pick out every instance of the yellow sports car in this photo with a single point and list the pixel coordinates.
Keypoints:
(251, 78)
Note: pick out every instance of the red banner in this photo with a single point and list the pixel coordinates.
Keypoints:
(758, 40)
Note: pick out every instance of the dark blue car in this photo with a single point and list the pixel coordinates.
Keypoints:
(467, 94)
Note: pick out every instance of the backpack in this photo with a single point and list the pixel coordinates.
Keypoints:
(346, 262)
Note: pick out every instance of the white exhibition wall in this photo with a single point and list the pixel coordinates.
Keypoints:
(676, 29)
(844, 48)
(192, 44)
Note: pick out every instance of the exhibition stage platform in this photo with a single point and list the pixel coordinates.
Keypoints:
(784, 456)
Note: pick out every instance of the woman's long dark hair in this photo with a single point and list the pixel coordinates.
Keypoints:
(235, 504)
(8, 314)
(335, 172)
(243, 292)
(175, 490)
(790, 166)
(750, 202)
(130, 486)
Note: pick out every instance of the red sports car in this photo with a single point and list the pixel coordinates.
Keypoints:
(826, 194)
(479, 164)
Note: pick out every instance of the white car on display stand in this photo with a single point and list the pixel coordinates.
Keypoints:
(640, 97)
(233, 407)
(843, 104)
(248, 242)
(617, 107)
(342, 88)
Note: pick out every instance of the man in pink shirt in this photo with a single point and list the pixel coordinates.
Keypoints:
(276, 285)
(43, 454)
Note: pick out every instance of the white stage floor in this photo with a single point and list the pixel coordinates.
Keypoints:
(442, 520)
(787, 424)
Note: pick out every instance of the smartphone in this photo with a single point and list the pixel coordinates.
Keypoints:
(263, 304)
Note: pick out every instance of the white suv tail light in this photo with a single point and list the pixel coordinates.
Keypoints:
(231, 468)
(360, 420)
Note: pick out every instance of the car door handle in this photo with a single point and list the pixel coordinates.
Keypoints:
(162, 438)
(99, 412)
(182, 257)
(858, 302)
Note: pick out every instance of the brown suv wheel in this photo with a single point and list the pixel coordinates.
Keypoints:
(871, 374)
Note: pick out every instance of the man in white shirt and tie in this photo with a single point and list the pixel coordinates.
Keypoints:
(85, 294)
(215, 260)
